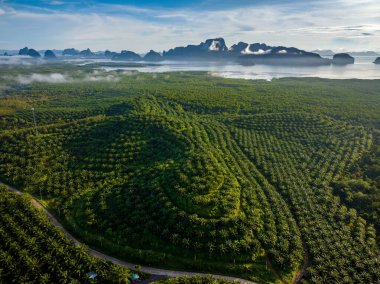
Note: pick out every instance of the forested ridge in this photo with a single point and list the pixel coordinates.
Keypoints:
(186, 170)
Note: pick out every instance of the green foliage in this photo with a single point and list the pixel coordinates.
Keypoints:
(32, 250)
(360, 188)
(191, 171)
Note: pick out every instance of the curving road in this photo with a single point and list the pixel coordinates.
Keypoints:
(305, 265)
(150, 270)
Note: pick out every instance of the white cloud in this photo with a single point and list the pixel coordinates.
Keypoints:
(48, 78)
(260, 51)
(309, 26)
(56, 78)
(16, 60)
(56, 3)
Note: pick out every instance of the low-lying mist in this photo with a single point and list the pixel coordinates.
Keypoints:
(57, 78)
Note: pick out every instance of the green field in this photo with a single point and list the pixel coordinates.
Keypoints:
(187, 171)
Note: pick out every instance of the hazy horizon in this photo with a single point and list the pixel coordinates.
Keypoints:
(183, 45)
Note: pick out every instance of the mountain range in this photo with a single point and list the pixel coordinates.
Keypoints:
(211, 50)
(329, 52)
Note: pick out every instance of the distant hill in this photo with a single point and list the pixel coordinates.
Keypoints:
(364, 53)
(216, 49)
(255, 53)
(49, 54)
(70, 52)
(343, 59)
(260, 53)
(211, 49)
(126, 55)
(29, 52)
(8, 51)
(324, 52)
(329, 52)
(153, 56)
(86, 53)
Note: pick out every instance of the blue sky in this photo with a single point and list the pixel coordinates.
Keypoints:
(160, 25)
(171, 4)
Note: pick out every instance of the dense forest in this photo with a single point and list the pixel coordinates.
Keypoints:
(32, 250)
(271, 181)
